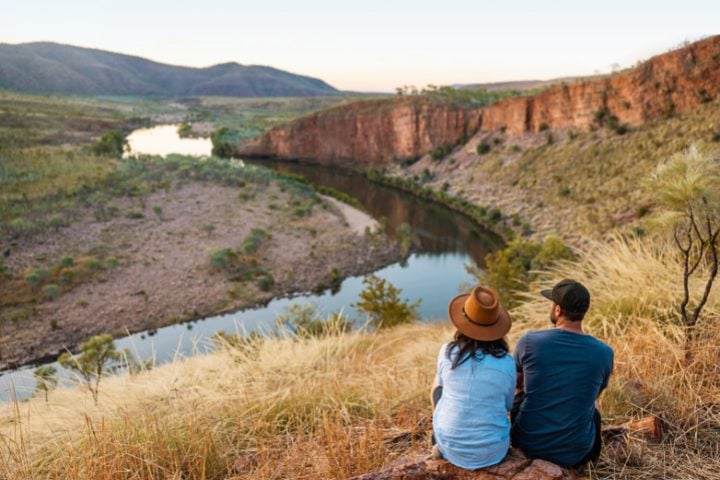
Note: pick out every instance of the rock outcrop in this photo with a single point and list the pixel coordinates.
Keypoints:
(515, 466)
(380, 131)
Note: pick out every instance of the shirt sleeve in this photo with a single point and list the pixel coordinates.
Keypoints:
(519, 354)
(608, 372)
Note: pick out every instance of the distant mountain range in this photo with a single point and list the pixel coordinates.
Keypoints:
(53, 68)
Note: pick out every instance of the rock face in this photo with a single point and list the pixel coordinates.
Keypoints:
(380, 131)
(515, 467)
(372, 131)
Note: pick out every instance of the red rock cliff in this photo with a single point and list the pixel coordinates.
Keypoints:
(382, 130)
(372, 131)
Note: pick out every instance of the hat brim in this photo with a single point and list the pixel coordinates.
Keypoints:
(493, 332)
(547, 294)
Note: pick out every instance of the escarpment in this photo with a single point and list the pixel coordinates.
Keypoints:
(372, 131)
(382, 131)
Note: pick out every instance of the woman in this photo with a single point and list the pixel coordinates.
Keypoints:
(475, 384)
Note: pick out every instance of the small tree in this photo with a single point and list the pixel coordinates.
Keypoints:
(46, 379)
(687, 189)
(380, 300)
(97, 358)
(112, 144)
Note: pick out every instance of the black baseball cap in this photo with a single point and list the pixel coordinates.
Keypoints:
(570, 295)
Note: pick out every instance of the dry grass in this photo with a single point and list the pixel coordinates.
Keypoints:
(324, 408)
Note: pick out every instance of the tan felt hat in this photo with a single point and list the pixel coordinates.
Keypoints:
(479, 315)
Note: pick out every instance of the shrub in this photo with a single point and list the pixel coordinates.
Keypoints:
(542, 127)
(113, 262)
(19, 226)
(221, 143)
(112, 144)
(483, 148)
(564, 191)
(222, 259)
(51, 291)
(208, 228)
(305, 321)
(440, 152)
(514, 268)
(380, 300)
(184, 130)
(253, 240)
(33, 279)
(93, 264)
(57, 221)
(66, 262)
(266, 282)
(67, 276)
(135, 215)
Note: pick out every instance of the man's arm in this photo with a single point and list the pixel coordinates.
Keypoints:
(520, 383)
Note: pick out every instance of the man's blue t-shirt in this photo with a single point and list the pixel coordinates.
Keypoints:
(564, 373)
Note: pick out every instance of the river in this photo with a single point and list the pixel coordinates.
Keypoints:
(447, 242)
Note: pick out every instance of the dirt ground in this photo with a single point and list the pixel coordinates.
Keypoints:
(164, 274)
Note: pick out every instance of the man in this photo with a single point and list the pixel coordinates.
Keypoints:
(560, 373)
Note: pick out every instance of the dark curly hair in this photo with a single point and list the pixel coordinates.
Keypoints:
(469, 348)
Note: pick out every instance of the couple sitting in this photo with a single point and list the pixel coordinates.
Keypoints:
(559, 374)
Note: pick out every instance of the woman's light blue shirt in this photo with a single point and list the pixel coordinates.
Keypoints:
(470, 421)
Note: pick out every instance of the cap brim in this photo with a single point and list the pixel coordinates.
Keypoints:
(477, 332)
(547, 294)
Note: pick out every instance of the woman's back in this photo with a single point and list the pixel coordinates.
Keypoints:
(470, 421)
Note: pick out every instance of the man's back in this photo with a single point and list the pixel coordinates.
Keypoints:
(564, 372)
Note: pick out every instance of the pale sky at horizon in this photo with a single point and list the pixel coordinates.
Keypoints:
(374, 45)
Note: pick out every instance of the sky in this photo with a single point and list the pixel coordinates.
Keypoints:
(374, 45)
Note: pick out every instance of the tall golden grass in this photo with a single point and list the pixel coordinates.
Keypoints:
(329, 407)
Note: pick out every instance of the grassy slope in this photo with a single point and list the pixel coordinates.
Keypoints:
(585, 186)
(324, 408)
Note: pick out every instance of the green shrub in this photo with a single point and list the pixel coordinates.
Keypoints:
(51, 291)
(67, 276)
(184, 130)
(483, 148)
(33, 279)
(112, 144)
(222, 259)
(512, 269)
(253, 240)
(57, 221)
(440, 152)
(66, 262)
(19, 226)
(266, 282)
(305, 321)
(564, 191)
(221, 143)
(542, 127)
(113, 262)
(135, 215)
(93, 264)
(380, 300)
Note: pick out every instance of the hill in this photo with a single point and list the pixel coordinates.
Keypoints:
(53, 68)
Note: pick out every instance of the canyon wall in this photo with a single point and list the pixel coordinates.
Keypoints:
(380, 131)
(371, 131)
